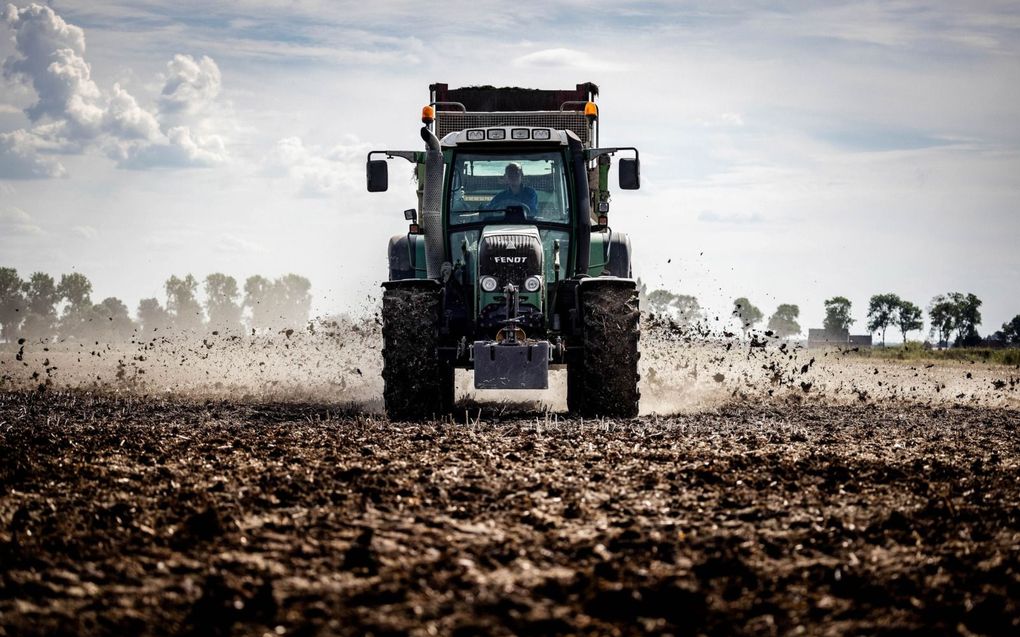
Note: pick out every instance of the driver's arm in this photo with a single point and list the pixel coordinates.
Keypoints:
(495, 202)
(530, 198)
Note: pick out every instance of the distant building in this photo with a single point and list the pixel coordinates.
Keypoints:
(827, 338)
(860, 340)
(837, 338)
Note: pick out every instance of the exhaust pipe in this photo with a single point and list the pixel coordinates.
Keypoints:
(583, 210)
(432, 205)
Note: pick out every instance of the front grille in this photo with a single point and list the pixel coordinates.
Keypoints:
(455, 121)
(510, 258)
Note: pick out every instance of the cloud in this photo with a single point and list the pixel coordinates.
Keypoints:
(51, 59)
(234, 244)
(72, 115)
(85, 232)
(731, 218)
(20, 158)
(180, 149)
(191, 85)
(125, 119)
(317, 172)
(15, 221)
(565, 59)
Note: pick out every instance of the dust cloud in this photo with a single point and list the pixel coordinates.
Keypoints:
(684, 369)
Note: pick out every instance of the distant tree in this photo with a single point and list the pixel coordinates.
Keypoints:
(747, 314)
(256, 299)
(1011, 330)
(968, 317)
(42, 297)
(908, 318)
(882, 312)
(184, 309)
(683, 308)
(76, 289)
(13, 305)
(783, 322)
(837, 314)
(942, 315)
(688, 310)
(221, 301)
(152, 316)
(111, 320)
(292, 299)
(660, 301)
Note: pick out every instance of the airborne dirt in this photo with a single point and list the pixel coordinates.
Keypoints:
(844, 498)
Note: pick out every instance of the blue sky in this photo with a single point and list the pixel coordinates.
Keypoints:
(791, 151)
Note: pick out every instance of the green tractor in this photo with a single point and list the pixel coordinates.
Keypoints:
(509, 266)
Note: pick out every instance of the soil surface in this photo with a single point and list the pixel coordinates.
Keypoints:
(152, 515)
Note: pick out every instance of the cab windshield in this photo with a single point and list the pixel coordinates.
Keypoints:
(484, 189)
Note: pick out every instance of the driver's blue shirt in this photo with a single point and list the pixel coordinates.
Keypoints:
(526, 196)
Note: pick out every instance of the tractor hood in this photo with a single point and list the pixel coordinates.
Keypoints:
(510, 253)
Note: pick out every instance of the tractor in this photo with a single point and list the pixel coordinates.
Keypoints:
(509, 266)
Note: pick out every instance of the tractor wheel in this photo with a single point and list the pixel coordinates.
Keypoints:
(602, 374)
(417, 385)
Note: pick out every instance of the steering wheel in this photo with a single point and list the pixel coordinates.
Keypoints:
(518, 212)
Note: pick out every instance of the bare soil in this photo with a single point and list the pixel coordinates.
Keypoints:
(155, 514)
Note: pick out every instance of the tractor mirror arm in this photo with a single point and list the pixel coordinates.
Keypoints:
(592, 153)
(412, 156)
(630, 169)
(377, 172)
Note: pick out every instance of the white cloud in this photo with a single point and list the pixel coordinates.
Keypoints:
(180, 149)
(234, 244)
(125, 119)
(85, 232)
(732, 218)
(72, 115)
(20, 158)
(317, 172)
(15, 221)
(51, 60)
(191, 85)
(565, 59)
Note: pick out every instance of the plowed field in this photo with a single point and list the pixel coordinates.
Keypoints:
(161, 515)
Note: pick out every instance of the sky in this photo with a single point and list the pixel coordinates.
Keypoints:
(791, 151)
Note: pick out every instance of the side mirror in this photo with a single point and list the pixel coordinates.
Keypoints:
(630, 174)
(379, 175)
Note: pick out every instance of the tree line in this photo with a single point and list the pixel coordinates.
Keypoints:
(949, 314)
(43, 308)
(686, 310)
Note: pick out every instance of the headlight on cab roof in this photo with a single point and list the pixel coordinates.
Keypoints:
(488, 283)
(520, 133)
(496, 134)
(533, 283)
(475, 135)
(541, 134)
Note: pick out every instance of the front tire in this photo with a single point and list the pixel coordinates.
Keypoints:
(602, 373)
(417, 385)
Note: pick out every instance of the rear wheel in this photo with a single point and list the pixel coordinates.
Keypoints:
(416, 384)
(602, 374)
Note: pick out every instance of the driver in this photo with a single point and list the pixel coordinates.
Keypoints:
(516, 192)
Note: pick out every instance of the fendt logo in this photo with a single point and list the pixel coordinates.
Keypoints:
(510, 259)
